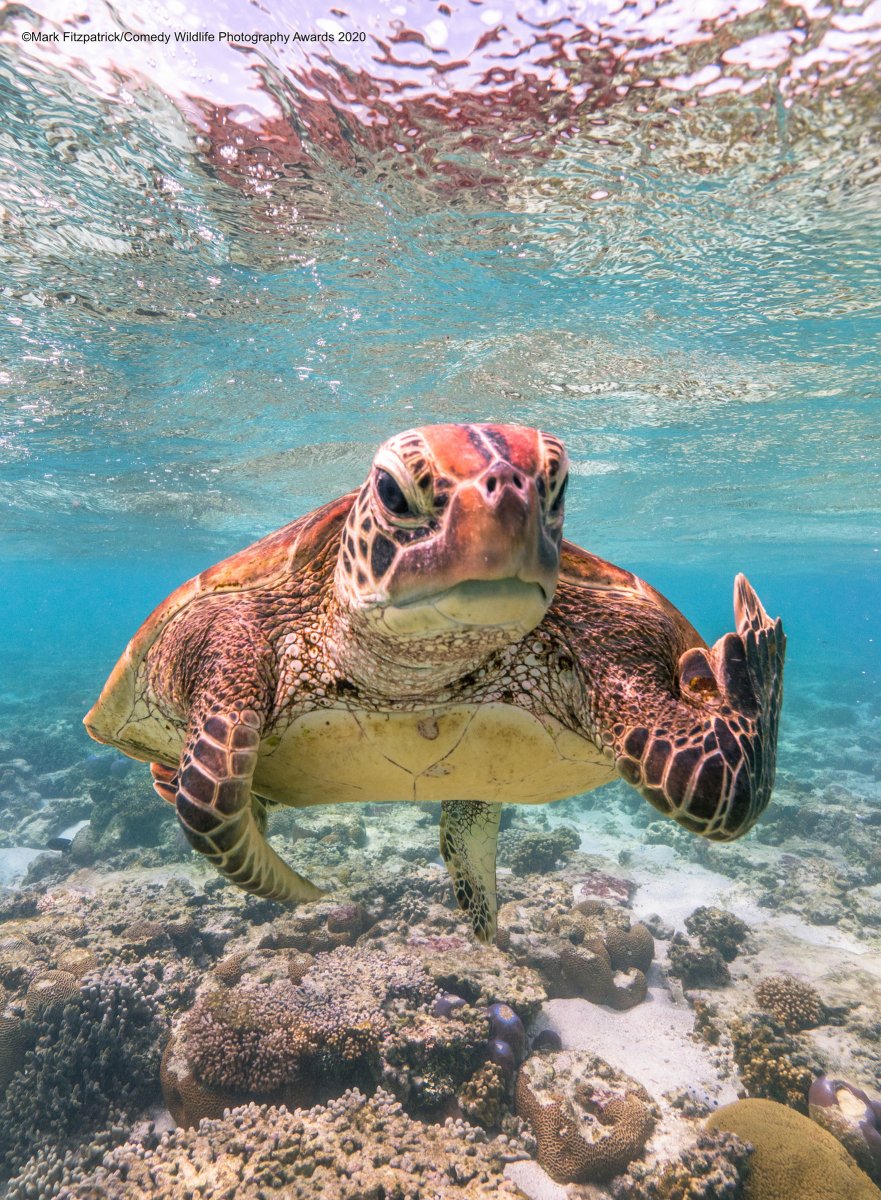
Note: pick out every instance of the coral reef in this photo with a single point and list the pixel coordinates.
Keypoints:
(697, 966)
(358, 1015)
(579, 950)
(589, 1120)
(716, 1167)
(482, 1097)
(92, 1058)
(850, 1116)
(349, 1149)
(796, 1005)
(718, 929)
(793, 1157)
(772, 1063)
(537, 852)
(146, 908)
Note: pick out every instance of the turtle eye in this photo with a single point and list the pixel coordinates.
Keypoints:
(560, 496)
(390, 493)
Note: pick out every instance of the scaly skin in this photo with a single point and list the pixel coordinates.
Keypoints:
(380, 613)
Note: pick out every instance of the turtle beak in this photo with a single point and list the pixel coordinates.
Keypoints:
(494, 531)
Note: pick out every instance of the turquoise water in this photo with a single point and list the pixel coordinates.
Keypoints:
(229, 272)
(205, 336)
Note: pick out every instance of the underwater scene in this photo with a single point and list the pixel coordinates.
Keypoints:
(549, 887)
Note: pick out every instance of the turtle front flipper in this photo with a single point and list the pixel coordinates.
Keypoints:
(215, 807)
(468, 833)
(707, 758)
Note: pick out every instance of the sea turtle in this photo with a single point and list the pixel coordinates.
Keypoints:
(431, 636)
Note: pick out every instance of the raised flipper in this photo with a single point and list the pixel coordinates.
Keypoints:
(707, 757)
(468, 833)
(215, 807)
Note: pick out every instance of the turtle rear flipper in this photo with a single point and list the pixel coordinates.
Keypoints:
(469, 830)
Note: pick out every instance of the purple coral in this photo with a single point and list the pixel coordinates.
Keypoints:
(500, 1053)
(447, 1003)
(507, 1026)
(852, 1116)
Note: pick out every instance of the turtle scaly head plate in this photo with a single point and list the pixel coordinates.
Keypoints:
(456, 535)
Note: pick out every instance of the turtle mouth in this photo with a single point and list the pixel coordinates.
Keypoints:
(514, 604)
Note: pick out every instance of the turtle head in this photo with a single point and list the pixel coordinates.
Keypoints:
(455, 536)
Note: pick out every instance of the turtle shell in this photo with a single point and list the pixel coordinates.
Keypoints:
(271, 560)
(581, 569)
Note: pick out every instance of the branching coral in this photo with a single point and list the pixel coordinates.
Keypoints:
(482, 1097)
(95, 1056)
(357, 1015)
(772, 1064)
(796, 1005)
(348, 1149)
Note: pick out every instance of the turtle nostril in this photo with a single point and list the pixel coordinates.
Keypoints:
(491, 484)
(517, 481)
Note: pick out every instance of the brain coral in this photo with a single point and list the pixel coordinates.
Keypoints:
(796, 1005)
(629, 948)
(589, 1121)
(589, 974)
(52, 989)
(13, 1042)
(793, 1159)
(78, 960)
